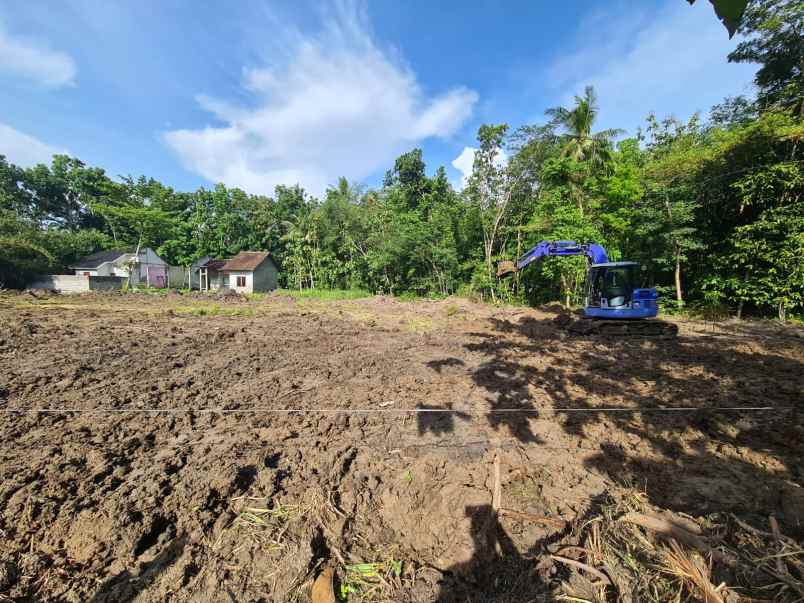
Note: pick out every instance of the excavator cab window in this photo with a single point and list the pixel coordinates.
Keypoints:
(615, 284)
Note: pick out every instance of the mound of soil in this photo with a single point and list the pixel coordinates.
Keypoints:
(155, 455)
(41, 293)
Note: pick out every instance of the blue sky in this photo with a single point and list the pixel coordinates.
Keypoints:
(260, 93)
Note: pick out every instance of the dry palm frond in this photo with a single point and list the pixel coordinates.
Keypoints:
(594, 544)
(693, 571)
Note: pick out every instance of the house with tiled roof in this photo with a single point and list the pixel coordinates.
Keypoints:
(249, 272)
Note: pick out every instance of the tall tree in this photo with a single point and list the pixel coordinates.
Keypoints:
(775, 40)
(673, 200)
(490, 190)
(589, 152)
(13, 194)
(62, 194)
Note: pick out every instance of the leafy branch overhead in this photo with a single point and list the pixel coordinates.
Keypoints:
(730, 12)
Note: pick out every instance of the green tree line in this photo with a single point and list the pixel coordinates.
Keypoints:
(712, 206)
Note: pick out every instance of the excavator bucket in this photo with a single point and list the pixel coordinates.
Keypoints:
(506, 268)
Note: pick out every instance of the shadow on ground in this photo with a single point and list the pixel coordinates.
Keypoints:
(125, 586)
(695, 461)
(498, 572)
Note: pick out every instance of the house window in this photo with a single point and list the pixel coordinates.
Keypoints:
(86, 274)
(241, 281)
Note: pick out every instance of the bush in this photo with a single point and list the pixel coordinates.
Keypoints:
(325, 294)
(712, 311)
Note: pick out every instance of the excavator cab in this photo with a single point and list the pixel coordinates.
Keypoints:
(611, 285)
(613, 291)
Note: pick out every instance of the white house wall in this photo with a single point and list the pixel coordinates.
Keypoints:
(106, 269)
(249, 288)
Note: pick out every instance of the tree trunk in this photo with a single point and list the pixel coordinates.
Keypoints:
(579, 199)
(575, 192)
(488, 246)
(782, 312)
(679, 295)
(518, 253)
(741, 302)
(567, 296)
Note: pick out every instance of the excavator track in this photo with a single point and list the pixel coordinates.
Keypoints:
(617, 328)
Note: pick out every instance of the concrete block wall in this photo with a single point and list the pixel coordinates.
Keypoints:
(66, 283)
(72, 283)
(98, 283)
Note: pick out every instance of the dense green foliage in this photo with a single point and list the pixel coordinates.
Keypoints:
(713, 208)
(775, 40)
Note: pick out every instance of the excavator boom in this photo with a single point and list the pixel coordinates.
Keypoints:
(596, 254)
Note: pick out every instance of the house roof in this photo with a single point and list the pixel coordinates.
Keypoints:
(213, 264)
(246, 260)
(101, 257)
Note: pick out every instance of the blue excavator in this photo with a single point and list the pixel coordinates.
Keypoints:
(615, 303)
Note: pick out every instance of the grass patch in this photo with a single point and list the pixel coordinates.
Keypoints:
(367, 581)
(260, 517)
(213, 310)
(155, 291)
(267, 526)
(413, 296)
(326, 294)
(420, 324)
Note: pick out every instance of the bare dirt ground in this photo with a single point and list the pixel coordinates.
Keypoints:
(226, 495)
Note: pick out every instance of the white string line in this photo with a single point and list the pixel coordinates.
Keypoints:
(391, 410)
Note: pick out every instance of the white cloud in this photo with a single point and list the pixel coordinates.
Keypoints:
(331, 105)
(465, 161)
(32, 59)
(24, 150)
(670, 61)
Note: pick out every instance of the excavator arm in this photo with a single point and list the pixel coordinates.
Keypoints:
(594, 252)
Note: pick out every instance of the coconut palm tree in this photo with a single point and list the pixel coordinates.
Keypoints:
(301, 236)
(579, 143)
(591, 150)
